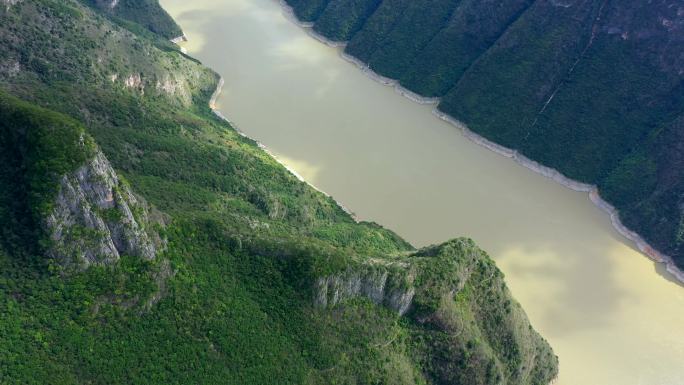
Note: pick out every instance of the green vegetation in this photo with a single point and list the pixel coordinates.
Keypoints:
(401, 30)
(236, 293)
(308, 10)
(473, 28)
(583, 87)
(38, 147)
(342, 19)
(145, 13)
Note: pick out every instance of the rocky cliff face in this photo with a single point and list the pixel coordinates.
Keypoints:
(9, 3)
(96, 219)
(375, 284)
(456, 298)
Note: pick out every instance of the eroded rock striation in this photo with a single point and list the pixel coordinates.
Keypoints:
(455, 297)
(96, 218)
(376, 285)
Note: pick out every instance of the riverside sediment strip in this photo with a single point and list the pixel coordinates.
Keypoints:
(532, 165)
(365, 68)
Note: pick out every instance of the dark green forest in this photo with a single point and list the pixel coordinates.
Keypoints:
(592, 88)
(137, 14)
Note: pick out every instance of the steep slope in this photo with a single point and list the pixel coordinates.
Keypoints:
(71, 200)
(146, 13)
(146, 241)
(581, 86)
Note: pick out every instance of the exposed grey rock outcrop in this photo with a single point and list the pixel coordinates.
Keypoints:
(9, 3)
(377, 285)
(96, 219)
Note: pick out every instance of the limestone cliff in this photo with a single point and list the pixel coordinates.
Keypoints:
(456, 298)
(378, 285)
(96, 218)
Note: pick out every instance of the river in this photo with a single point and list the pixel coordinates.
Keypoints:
(613, 316)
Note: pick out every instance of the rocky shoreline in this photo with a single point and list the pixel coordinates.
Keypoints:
(398, 88)
(530, 164)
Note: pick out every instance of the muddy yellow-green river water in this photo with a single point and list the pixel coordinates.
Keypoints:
(612, 315)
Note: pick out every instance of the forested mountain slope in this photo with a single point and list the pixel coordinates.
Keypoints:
(592, 88)
(145, 241)
(143, 13)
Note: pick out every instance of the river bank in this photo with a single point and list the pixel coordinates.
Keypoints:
(308, 28)
(642, 245)
(217, 112)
